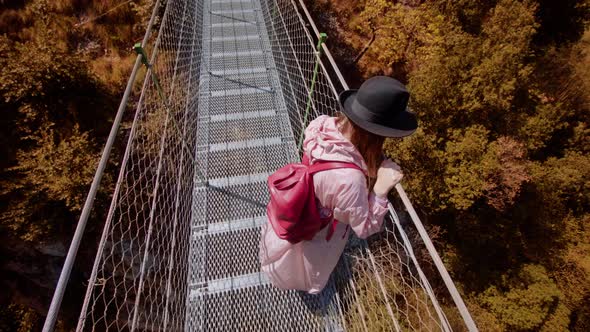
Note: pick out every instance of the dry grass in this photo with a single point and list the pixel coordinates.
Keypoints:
(113, 69)
(74, 26)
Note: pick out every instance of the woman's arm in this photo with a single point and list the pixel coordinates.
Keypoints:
(345, 191)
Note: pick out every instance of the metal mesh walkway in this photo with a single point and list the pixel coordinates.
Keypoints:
(229, 87)
(244, 135)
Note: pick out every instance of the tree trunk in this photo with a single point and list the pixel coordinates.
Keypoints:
(366, 48)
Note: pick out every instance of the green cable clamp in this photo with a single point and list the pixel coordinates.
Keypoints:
(144, 59)
(316, 69)
(323, 37)
(140, 51)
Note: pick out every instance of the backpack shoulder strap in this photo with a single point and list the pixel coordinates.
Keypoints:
(328, 165)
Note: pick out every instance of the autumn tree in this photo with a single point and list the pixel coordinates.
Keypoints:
(53, 109)
(500, 158)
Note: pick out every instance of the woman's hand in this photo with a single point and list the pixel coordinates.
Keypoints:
(388, 175)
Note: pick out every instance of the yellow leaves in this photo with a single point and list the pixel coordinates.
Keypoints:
(564, 182)
(51, 178)
(373, 9)
(506, 170)
(539, 128)
(504, 45)
(63, 170)
(511, 22)
(421, 160)
(113, 70)
(463, 175)
(401, 30)
(19, 318)
(527, 300)
(580, 140)
(478, 169)
(478, 74)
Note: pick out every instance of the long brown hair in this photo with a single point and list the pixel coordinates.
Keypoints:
(369, 145)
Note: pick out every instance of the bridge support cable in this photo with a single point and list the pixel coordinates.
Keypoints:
(316, 68)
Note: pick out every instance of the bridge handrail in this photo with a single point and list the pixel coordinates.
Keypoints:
(64, 276)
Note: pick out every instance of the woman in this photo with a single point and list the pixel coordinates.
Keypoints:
(376, 111)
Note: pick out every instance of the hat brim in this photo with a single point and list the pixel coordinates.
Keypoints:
(405, 122)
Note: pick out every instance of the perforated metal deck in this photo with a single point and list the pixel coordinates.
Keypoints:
(244, 134)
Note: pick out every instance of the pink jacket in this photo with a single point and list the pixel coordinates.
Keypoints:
(307, 265)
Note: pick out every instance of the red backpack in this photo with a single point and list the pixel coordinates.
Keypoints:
(292, 210)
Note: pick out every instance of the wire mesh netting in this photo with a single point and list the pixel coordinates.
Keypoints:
(296, 56)
(139, 277)
(233, 88)
(383, 290)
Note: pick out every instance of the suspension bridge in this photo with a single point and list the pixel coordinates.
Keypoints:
(229, 87)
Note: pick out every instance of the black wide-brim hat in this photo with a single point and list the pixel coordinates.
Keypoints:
(380, 106)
